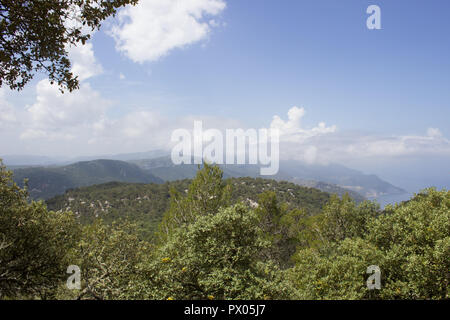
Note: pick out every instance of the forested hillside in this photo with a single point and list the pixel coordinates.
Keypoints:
(210, 238)
(145, 204)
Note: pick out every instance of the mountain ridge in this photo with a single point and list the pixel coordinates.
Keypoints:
(335, 178)
(46, 182)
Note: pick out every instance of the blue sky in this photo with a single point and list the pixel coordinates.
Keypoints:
(272, 55)
(383, 95)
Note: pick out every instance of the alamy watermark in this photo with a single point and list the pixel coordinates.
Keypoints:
(74, 280)
(374, 280)
(239, 146)
(374, 20)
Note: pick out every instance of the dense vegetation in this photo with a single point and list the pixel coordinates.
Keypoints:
(145, 204)
(212, 245)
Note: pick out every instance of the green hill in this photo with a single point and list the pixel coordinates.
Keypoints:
(146, 203)
(46, 182)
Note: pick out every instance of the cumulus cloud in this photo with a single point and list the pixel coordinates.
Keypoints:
(78, 123)
(434, 133)
(7, 112)
(84, 63)
(144, 33)
(291, 130)
(146, 129)
(59, 116)
(139, 129)
(322, 144)
(152, 28)
(397, 146)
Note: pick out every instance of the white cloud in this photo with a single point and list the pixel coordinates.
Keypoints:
(136, 130)
(342, 147)
(55, 116)
(58, 116)
(152, 28)
(7, 112)
(397, 146)
(291, 130)
(78, 123)
(310, 155)
(146, 129)
(434, 133)
(322, 144)
(84, 64)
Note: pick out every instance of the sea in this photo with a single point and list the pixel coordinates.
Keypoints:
(393, 198)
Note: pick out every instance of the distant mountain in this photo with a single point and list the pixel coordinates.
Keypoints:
(164, 169)
(15, 161)
(368, 185)
(332, 178)
(29, 160)
(125, 156)
(46, 182)
(52, 180)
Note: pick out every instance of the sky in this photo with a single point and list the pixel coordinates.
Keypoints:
(338, 92)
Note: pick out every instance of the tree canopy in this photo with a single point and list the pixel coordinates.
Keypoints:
(35, 35)
(33, 243)
(212, 245)
(409, 242)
